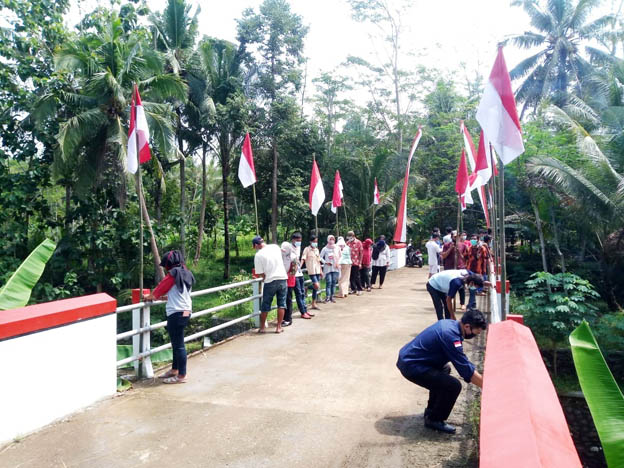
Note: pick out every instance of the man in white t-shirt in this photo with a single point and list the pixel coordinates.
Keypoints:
(433, 249)
(269, 265)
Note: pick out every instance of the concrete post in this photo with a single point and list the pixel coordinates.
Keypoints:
(256, 303)
(146, 364)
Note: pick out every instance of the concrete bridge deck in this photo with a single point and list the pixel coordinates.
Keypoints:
(325, 393)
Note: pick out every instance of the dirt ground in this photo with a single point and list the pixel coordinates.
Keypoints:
(325, 393)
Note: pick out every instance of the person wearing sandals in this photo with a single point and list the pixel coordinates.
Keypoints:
(330, 256)
(269, 265)
(177, 287)
(365, 268)
(290, 265)
(312, 259)
(381, 263)
(345, 267)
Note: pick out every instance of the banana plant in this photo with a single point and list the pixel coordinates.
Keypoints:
(16, 292)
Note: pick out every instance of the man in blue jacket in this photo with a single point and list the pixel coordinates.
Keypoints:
(424, 361)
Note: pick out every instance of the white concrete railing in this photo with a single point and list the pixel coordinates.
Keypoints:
(142, 326)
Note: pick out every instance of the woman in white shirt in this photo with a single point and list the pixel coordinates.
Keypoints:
(381, 263)
(345, 267)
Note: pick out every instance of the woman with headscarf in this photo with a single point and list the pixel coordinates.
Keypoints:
(330, 256)
(177, 287)
(381, 263)
(345, 267)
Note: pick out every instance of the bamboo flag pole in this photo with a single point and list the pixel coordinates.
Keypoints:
(256, 208)
(458, 232)
(139, 182)
(501, 208)
(337, 230)
(374, 209)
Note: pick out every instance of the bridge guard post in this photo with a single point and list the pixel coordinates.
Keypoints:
(256, 303)
(147, 370)
(136, 341)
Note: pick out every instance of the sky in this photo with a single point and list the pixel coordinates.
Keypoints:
(441, 34)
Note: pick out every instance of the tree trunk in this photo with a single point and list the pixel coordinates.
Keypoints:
(225, 172)
(202, 211)
(158, 272)
(274, 195)
(540, 232)
(157, 199)
(67, 208)
(556, 239)
(182, 188)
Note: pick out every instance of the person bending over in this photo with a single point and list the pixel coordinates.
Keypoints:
(424, 361)
(445, 285)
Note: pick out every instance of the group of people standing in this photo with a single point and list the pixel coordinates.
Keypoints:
(351, 266)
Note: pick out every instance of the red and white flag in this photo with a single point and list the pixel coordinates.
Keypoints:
(462, 186)
(246, 169)
(400, 233)
(481, 175)
(471, 154)
(376, 194)
(317, 192)
(337, 195)
(138, 135)
(497, 113)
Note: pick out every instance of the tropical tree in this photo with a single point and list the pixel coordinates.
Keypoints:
(275, 35)
(560, 30)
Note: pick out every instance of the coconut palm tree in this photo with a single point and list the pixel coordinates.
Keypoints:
(103, 67)
(561, 29)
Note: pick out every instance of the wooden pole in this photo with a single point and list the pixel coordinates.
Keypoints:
(501, 208)
(256, 208)
(374, 209)
(316, 225)
(337, 231)
(456, 237)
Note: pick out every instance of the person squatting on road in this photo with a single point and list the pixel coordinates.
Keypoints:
(424, 361)
(177, 286)
(269, 265)
(443, 286)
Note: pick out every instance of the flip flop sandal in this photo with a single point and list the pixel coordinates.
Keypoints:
(168, 374)
(174, 380)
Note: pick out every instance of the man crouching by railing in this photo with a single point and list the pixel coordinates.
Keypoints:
(424, 361)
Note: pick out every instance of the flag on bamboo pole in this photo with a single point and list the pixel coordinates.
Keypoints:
(317, 192)
(497, 113)
(400, 233)
(337, 195)
(471, 154)
(246, 169)
(376, 194)
(137, 130)
(462, 185)
(481, 175)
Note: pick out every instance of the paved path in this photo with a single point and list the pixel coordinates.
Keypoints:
(325, 393)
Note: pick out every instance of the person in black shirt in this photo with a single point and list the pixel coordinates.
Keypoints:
(424, 361)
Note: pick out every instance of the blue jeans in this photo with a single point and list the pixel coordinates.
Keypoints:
(315, 279)
(331, 279)
(300, 295)
(472, 301)
(175, 326)
(274, 288)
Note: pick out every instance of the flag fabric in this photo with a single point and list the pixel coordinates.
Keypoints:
(246, 169)
(137, 133)
(317, 192)
(400, 233)
(497, 113)
(337, 195)
(462, 185)
(376, 194)
(481, 175)
(471, 154)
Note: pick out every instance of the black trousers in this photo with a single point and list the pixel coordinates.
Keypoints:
(439, 301)
(382, 274)
(443, 390)
(289, 305)
(355, 279)
(365, 278)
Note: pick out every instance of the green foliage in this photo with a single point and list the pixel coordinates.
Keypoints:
(555, 304)
(16, 292)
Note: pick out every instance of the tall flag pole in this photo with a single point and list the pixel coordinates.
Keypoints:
(247, 172)
(400, 233)
(317, 192)
(337, 196)
(138, 153)
(376, 199)
(498, 116)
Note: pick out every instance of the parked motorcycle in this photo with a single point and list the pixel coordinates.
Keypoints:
(414, 257)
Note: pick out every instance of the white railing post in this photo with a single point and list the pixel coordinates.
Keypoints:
(256, 303)
(146, 364)
(136, 341)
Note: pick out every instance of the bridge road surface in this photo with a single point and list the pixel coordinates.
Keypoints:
(325, 393)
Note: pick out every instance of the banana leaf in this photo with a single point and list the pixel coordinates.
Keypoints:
(602, 393)
(16, 292)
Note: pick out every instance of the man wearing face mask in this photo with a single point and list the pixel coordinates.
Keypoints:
(300, 295)
(443, 287)
(424, 361)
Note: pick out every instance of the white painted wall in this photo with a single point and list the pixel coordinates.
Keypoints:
(397, 258)
(50, 374)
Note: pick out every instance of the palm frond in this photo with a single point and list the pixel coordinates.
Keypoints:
(526, 66)
(79, 129)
